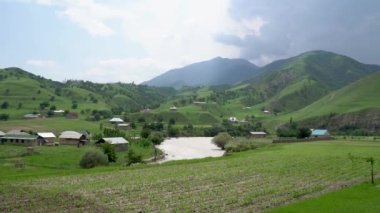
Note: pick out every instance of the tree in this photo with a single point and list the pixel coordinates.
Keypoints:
(172, 131)
(109, 150)
(303, 132)
(145, 133)
(156, 138)
(4, 117)
(370, 160)
(171, 121)
(133, 157)
(221, 139)
(4, 105)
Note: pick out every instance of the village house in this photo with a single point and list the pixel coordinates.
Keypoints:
(60, 111)
(123, 126)
(119, 143)
(116, 120)
(258, 134)
(72, 138)
(45, 138)
(2, 134)
(173, 108)
(320, 133)
(19, 138)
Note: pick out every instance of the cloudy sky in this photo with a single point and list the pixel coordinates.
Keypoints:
(135, 40)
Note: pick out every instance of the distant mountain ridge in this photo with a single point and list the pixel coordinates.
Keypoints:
(217, 71)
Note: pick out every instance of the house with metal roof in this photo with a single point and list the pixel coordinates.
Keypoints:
(116, 120)
(2, 134)
(320, 133)
(119, 143)
(72, 138)
(45, 138)
(22, 138)
(258, 134)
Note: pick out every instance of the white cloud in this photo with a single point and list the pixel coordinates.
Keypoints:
(41, 63)
(171, 32)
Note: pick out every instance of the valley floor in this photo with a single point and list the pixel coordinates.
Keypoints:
(249, 181)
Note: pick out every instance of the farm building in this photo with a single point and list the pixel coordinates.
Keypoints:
(120, 143)
(32, 116)
(45, 138)
(116, 120)
(60, 111)
(20, 138)
(199, 102)
(72, 138)
(173, 108)
(123, 126)
(233, 119)
(72, 115)
(258, 134)
(320, 133)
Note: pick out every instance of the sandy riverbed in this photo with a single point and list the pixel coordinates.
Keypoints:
(189, 148)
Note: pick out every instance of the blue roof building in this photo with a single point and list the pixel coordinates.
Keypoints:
(320, 133)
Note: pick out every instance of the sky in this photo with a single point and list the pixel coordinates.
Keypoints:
(136, 40)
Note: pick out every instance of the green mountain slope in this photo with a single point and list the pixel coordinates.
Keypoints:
(22, 92)
(294, 83)
(356, 106)
(360, 95)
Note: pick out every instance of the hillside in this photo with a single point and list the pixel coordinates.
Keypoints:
(356, 106)
(291, 84)
(217, 71)
(22, 92)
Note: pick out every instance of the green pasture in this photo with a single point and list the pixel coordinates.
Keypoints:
(251, 181)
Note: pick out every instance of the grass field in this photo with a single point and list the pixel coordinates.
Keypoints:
(56, 125)
(255, 180)
(362, 198)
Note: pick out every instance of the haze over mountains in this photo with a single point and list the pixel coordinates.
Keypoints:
(216, 71)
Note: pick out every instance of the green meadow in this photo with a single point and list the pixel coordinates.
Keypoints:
(250, 181)
(360, 198)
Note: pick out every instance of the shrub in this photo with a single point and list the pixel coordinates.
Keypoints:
(4, 117)
(239, 145)
(221, 139)
(109, 150)
(133, 157)
(145, 133)
(173, 132)
(93, 158)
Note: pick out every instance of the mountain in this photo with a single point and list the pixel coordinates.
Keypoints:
(291, 84)
(217, 71)
(23, 93)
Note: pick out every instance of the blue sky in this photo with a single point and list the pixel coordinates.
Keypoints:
(133, 41)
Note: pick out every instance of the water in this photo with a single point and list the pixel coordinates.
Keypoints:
(189, 148)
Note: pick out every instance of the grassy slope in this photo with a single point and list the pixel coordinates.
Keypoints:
(56, 125)
(362, 198)
(248, 181)
(360, 95)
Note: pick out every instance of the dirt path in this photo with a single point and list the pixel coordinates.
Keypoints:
(189, 148)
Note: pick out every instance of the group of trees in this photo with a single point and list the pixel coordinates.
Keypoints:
(292, 130)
